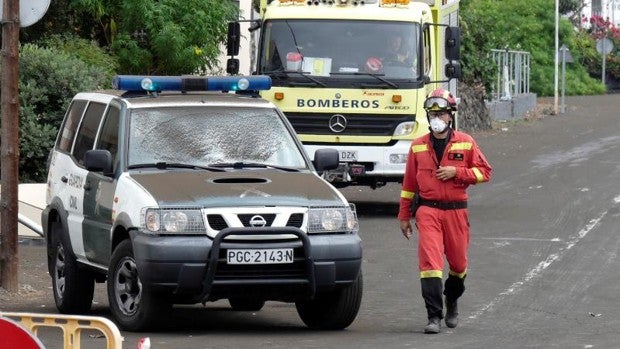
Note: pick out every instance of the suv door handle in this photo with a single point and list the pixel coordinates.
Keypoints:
(64, 179)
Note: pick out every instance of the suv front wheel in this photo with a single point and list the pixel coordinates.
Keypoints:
(73, 287)
(134, 306)
(332, 310)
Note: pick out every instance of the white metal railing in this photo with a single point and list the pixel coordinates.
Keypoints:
(513, 74)
(29, 223)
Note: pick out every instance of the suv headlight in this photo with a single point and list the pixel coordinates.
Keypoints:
(173, 221)
(332, 220)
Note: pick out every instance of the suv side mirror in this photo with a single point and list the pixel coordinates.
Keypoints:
(98, 160)
(326, 159)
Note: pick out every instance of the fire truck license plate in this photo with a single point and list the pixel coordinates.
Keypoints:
(348, 155)
(260, 256)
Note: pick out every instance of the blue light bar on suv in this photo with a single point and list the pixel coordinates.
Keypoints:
(139, 83)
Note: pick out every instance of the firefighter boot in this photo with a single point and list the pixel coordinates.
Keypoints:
(433, 326)
(452, 313)
(455, 286)
(431, 292)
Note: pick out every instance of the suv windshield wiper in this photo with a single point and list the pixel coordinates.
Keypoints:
(240, 165)
(376, 76)
(279, 73)
(164, 165)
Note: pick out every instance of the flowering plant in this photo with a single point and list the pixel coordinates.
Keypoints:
(602, 28)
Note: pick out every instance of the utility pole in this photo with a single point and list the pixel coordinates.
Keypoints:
(9, 153)
(555, 65)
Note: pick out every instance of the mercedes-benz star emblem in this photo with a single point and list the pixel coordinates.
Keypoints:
(258, 221)
(337, 123)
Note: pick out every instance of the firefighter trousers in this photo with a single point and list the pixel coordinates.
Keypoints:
(442, 233)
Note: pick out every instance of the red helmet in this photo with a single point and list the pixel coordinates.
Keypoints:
(440, 99)
(373, 65)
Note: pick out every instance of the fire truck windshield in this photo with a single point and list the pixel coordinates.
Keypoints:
(339, 51)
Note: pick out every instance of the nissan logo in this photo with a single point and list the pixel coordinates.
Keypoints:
(258, 221)
(337, 123)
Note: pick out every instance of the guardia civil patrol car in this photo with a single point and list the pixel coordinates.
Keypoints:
(172, 195)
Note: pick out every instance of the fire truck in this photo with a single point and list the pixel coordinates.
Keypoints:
(353, 75)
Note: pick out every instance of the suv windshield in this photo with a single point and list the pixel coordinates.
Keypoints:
(210, 135)
(339, 49)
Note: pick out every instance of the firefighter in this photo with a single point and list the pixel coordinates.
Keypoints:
(440, 167)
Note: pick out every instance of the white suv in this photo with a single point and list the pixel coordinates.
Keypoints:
(178, 196)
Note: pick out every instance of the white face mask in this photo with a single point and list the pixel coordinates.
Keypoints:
(438, 125)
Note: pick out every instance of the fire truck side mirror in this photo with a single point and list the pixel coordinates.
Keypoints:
(232, 66)
(453, 43)
(233, 40)
(453, 70)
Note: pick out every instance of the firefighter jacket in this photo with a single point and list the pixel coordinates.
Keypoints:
(461, 152)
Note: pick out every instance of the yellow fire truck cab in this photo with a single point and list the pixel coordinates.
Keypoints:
(353, 74)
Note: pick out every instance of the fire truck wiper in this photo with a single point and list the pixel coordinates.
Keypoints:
(376, 76)
(279, 73)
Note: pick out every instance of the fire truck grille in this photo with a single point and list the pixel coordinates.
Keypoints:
(357, 124)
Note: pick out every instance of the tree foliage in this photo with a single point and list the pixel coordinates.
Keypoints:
(568, 7)
(165, 37)
(521, 26)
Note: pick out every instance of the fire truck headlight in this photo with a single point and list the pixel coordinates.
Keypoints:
(404, 129)
(398, 158)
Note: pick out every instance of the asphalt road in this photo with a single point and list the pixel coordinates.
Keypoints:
(544, 264)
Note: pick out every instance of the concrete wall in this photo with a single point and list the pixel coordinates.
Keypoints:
(517, 107)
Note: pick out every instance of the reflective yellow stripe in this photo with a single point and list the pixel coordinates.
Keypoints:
(407, 194)
(419, 147)
(431, 274)
(461, 146)
(459, 275)
(478, 173)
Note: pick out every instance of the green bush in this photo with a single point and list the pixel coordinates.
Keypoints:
(49, 78)
(86, 50)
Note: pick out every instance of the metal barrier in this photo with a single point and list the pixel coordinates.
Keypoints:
(29, 223)
(71, 326)
(513, 74)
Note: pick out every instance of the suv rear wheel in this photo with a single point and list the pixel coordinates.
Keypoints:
(332, 310)
(73, 287)
(134, 306)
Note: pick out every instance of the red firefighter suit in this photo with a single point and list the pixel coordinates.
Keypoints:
(441, 217)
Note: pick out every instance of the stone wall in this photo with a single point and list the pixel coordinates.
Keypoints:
(475, 113)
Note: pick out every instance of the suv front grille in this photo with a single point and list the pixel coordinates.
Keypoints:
(295, 220)
(245, 219)
(218, 221)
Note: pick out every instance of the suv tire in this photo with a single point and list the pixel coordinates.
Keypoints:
(332, 310)
(134, 306)
(246, 304)
(73, 287)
